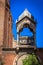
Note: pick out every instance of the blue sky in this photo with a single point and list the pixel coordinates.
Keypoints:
(35, 7)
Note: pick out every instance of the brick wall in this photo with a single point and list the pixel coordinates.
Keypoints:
(39, 53)
(9, 58)
(2, 14)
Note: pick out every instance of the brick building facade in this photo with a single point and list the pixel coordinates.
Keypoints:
(5, 24)
(8, 49)
(5, 29)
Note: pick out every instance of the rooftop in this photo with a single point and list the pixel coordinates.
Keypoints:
(25, 13)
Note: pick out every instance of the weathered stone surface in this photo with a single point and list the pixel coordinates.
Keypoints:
(10, 56)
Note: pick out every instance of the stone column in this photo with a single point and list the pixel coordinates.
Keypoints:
(34, 34)
(17, 36)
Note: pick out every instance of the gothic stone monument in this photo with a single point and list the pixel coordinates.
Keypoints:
(13, 51)
(25, 44)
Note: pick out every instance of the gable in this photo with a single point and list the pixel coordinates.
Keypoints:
(26, 22)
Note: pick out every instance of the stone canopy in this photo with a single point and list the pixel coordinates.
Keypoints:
(26, 20)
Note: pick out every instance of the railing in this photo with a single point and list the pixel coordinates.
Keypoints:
(26, 40)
